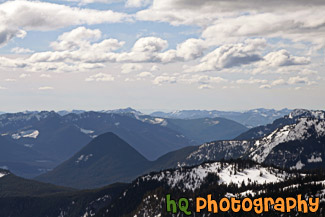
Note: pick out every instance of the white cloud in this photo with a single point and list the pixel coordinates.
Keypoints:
(137, 3)
(100, 77)
(298, 80)
(10, 80)
(150, 45)
(164, 79)
(46, 88)
(233, 21)
(145, 74)
(231, 55)
(251, 81)
(24, 75)
(45, 76)
(205, 86)
(191, 49)
(17, 17)
(130, 67)
(75, 39)
(284, 58)
(302, 25)
(20, 50)
(84, 2)
(154, 68)
(2, 88)
(308, 72)
(279, 82)
(202, 79)
(265, 86)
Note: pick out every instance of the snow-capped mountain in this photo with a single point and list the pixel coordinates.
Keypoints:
(146, 196)
(297, 145)
(250, 118)
(127, 110)
(179, 178)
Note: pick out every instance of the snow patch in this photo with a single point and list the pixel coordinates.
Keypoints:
(193, 178)
(26, 134)
(86, 131)
(298, 166)
(315, 159)
(84, 158)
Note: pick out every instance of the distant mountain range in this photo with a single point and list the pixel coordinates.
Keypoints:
(250, 118)
(281, 159)
(298, 145)
(45, 139)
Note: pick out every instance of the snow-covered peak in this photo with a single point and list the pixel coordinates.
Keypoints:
(3, 173)
(193, 178)
(24, 116)
(302, 130)
(299, 113)
(123, 111)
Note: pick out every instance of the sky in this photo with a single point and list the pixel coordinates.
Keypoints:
(162, 54)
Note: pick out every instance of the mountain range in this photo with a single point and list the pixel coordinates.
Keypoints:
(293, 146)
(297, 143)
(281, 159)
(45, 139)
(250, 118)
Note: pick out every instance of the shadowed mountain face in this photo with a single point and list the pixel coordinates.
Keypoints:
(106, 159)
(28, 198)
(199, 130)
(151, 140)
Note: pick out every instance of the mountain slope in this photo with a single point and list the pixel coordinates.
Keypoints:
(260, 131)
(298, 145)
(44, 133)
(20, 159)
(21, 197)
(106, 159)
(146, 196)
(14, 186)
(200, 130)
(151, 140)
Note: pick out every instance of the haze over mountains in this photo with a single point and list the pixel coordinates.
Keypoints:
(250, 118)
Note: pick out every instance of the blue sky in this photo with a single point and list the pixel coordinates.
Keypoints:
(161, 54)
